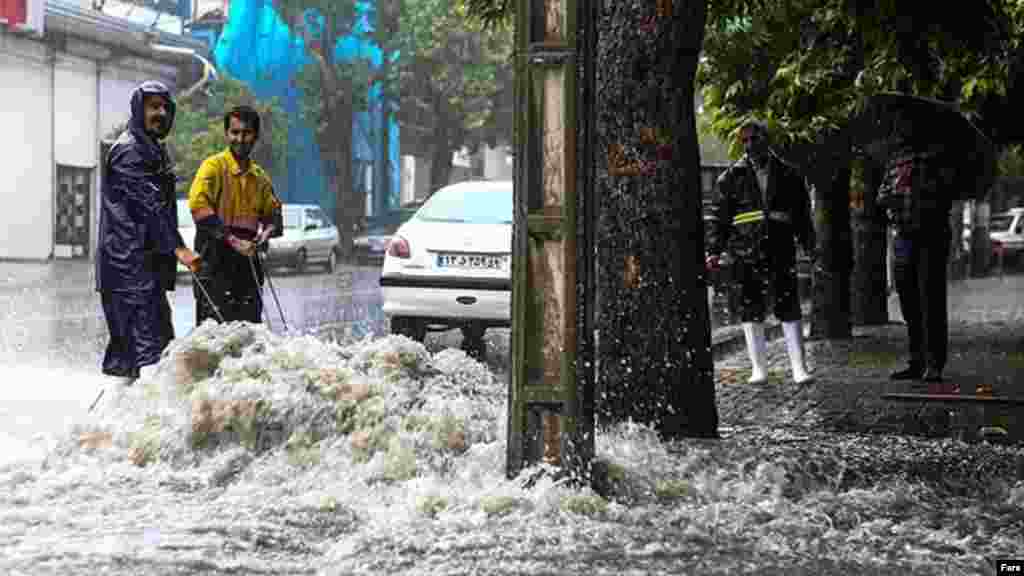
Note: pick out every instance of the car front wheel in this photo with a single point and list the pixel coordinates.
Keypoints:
(409, 327)
(332, 261)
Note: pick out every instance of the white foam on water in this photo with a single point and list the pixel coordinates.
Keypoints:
(294, 455)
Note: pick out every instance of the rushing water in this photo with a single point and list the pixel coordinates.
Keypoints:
(252, 453)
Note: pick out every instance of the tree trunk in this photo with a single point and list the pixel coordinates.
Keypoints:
(831, 279)
(336, 148)
(654, 347)
(871, 294)
(440, 159)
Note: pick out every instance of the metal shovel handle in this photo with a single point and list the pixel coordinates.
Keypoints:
(202, 288)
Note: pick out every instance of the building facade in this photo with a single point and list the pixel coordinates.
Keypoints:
(66, 75)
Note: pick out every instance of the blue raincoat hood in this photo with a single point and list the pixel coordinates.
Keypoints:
(136, 124)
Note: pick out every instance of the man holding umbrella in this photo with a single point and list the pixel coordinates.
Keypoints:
(933, 156)
(912, 194)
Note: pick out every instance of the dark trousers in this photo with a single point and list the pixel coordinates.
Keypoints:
(757, 280)
(140, 328)
(920, 268)
(231, 284)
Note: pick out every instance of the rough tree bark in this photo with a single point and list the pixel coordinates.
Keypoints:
(654, 344)
(870, 304)
(831, 279)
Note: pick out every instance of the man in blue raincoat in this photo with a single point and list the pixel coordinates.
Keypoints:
(138, 237)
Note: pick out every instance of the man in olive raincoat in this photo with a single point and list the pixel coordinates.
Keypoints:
(761, 207)
(139, 242)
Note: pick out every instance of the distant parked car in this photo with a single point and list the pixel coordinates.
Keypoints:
(1006, 230)
(309, 237)
(369, 247)
(450, 265)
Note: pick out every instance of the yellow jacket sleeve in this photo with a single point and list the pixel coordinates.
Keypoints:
(268, 201)
(206, 187)
(271, 211)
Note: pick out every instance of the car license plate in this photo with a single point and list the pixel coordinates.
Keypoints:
(471, 261)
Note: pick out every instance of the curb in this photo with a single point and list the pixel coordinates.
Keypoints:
(725, 341)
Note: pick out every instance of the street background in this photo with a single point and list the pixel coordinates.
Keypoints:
(54, 336)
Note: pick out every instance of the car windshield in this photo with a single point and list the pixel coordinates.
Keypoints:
(1000, 223)
(184, 215)
(292, 218)
(469, 205)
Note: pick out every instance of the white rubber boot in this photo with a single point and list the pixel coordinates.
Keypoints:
(756, 347)
(795, 348)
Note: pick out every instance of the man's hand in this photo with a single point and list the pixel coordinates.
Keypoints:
(243, 247)
(712, 263)
(188, 258)
(264, 235)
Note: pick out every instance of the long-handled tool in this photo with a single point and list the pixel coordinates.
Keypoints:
(270, 283)
(259, 291)
(202, 289)
(96, 401)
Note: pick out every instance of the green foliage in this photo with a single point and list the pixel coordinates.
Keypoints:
(144, 445)
(302, 449)
(1011, 162)
(199, 129)
(805, 66)
(491, 12)
(431, 505)
(498, 505)
(672, 489)
(399, 461)
(352, 415)
(584, 505)
(455, 75)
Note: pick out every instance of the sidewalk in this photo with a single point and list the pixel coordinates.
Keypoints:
(986, 347)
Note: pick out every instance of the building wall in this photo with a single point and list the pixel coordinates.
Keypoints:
(415, 178)
(75, 140)
(498, 164)
(26, 182)
(55, 112)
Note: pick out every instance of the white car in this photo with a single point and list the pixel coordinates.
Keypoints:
(309, 237)
(449, 266)
(1006, 230)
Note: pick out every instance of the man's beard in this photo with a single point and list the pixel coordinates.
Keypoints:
(159, 128)
(242, 151)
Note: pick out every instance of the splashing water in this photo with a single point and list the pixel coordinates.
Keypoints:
(249, 452)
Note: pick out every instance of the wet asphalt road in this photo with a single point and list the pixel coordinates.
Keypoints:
(52, 318)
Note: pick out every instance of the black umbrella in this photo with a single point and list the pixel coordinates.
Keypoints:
(930, 125)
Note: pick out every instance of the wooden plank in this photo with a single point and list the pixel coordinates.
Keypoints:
(953, 398)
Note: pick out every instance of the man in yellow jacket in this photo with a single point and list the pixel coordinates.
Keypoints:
(235, 210)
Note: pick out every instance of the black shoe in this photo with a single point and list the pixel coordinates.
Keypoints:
(932, 375)
(911, 373)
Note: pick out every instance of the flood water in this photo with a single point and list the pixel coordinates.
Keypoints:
(253, 453)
